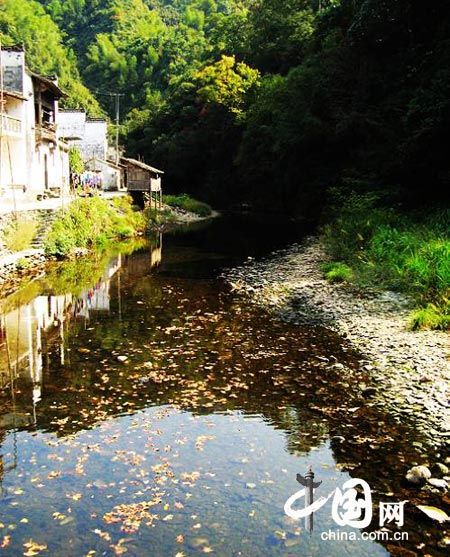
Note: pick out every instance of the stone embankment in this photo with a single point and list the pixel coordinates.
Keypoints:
(409, 370)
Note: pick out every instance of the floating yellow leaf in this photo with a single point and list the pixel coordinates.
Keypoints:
(5, 541)
(33, 548)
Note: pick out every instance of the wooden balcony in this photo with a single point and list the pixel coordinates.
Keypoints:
(45, 132)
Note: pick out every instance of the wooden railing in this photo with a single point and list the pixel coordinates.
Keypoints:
(10, 125)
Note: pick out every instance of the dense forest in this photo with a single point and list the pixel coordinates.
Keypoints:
(275, 103)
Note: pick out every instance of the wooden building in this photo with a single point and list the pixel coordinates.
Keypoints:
(141, 177)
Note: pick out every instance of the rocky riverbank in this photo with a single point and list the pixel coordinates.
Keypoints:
(409, 370)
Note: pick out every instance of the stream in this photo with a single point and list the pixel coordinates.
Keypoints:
(148, 411)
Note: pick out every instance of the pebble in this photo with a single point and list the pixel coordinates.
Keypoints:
(440, 484)
(440, 469)
(369, 392)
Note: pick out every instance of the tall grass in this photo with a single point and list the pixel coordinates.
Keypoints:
(93, 222)
(20, 233)
(387, 249)
(187, 203)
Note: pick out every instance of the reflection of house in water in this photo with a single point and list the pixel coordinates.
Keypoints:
(26, 331)
(156, 251)
(29, 332)
(21, 338)
(32, 334)
(97, 298)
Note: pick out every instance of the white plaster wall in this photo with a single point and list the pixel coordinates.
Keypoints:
(95, 143)
(71, 123)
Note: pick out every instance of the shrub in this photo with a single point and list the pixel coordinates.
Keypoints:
(187, 203)
(22, 264)
(352, 229)
(76, 162)
(93, 221)
(125, 231)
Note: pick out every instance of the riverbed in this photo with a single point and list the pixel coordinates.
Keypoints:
(148, 410)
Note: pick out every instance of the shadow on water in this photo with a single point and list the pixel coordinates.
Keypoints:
(146, 407)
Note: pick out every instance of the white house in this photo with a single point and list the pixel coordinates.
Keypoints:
(34, 160)
(112, 173)
(90, 137)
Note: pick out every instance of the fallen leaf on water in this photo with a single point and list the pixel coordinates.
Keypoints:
(5, 541)
(33, 548)
(119, 548)
(104, 535)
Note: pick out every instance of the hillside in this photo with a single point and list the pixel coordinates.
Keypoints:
(334, 93)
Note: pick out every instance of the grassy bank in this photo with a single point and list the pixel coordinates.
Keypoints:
(187, 203)
(374, 246)
(94, 222)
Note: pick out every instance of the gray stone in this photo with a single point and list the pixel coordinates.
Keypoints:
(369, 391)
(439, 469)
(440, 484)
(418, 475)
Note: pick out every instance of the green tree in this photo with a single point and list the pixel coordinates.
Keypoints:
(25, 22)
(76, 162)
(226, 83)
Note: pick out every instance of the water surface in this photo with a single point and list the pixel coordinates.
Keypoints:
(148, 411)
